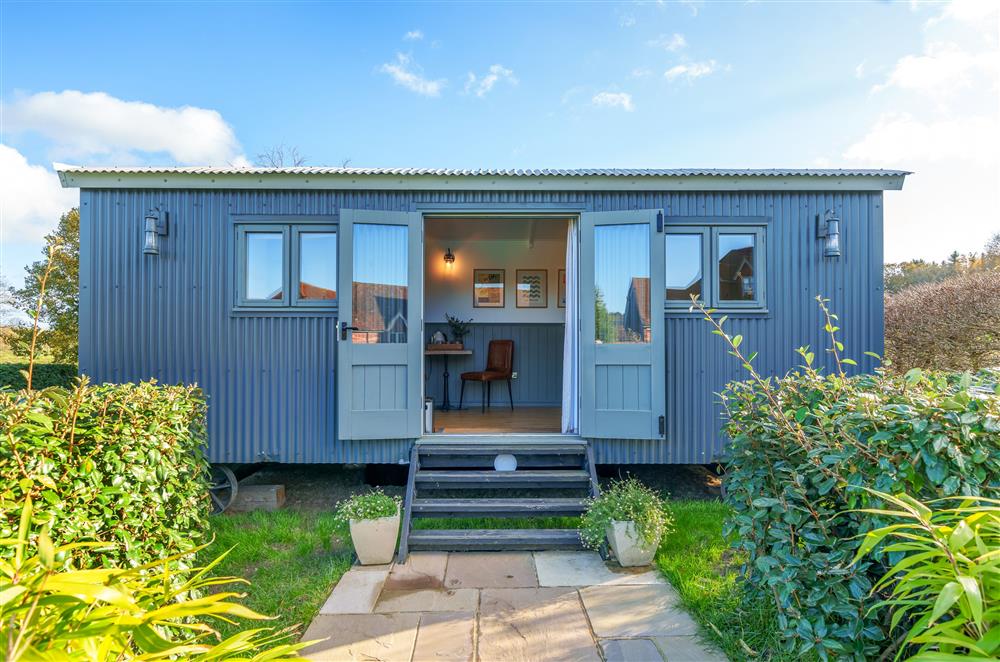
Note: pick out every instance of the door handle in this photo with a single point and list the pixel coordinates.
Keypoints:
(344, 329)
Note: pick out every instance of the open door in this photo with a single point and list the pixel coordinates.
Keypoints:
(622, 370)
(381, 325)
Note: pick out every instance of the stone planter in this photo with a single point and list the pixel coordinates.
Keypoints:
(375, 539)
(629, 548)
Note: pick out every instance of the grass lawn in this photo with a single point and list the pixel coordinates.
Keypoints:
(699, 563)
(290, 557)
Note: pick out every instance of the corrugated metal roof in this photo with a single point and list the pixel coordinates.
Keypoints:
(485, 172)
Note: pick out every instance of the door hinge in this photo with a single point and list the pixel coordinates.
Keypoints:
(659, 221)
(663, 426)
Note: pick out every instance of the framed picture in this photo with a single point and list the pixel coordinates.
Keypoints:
(532, 288)
(561, 289)
(487, 288)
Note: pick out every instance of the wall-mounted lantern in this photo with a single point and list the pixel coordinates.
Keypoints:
(449, 258)
(828, 229)
(155, 227)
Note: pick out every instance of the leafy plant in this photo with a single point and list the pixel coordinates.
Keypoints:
(52, 610)
(626, 500)
(367, 506)
(459, 328)
(945, 582)
(799, 447)
(120, 463)
(44, 375)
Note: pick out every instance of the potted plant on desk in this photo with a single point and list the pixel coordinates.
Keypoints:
(459, 329)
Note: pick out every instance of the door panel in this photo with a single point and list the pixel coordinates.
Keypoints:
(621, 325)
(381, 322)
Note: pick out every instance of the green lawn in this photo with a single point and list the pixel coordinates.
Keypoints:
(699, 563)
(293, 562)
(290, 558)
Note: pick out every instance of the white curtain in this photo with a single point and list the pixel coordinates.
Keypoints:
(571, 337)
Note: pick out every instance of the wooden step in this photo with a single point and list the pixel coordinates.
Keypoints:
(498, 507)
(490, 540)
(476, 479)
(496, 449)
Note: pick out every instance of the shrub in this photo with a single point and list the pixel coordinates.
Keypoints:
(55, 611)
(802, 446)
(950, 325)
(947, 579)
(626, 500)
(43, 376)
(116, 463)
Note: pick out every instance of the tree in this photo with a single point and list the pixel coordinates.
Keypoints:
(61, 304)
(280, 156)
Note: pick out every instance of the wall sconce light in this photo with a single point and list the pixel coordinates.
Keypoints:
(828, 229)
(155, 227)
(449, 258)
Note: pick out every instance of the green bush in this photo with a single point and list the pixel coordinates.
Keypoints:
(801, 448)
(947, 579)
(43, 376)
(53, 610)
(116, 463)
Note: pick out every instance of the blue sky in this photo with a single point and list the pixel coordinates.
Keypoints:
(612, 84)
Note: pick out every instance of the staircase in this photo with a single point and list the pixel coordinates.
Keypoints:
(453, 476)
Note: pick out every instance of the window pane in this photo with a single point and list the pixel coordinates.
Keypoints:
(379, 289)
(318, 266)
(736, 267)
(621, 283)
(265, 265)
(683, 266)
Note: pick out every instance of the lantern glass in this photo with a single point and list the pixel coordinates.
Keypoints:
(150, 244)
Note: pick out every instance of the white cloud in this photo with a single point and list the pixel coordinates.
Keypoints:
(692, 5)
(482, 86)
(406, 74)
(901, 138)
(859, 71)
(413, 35)
(621, 100)
(626, 21)
(97, 125)
(31, 198)
(691, 70)
(967, 11)
(669, 42)
(941, 70)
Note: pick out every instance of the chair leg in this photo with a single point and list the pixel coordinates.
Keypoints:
(482, 404)
(461, 395)
(489, 393)
(510, 394)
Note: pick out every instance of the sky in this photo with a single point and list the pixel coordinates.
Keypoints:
(909, 85)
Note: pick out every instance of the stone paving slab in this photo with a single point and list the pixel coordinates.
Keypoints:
(688, 649)
(462, 599)
(589, 569)
(636, 611)
(355, 593)
(530, 624)
(446, 635)
(630, 650)
(357, 637)
(491, 570)
(422, 570)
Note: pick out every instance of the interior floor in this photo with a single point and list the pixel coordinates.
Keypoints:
(498, 419)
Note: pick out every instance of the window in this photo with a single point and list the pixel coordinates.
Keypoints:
(722, 264)
(380, 288)
(621, 283)
(286, 265)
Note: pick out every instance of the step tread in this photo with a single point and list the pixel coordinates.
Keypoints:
(513, 449)
(557, 475)
(526, 506)
(494, 539)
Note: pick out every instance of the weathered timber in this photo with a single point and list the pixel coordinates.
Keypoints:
(258, 497)
(468, 540)
(498, 507)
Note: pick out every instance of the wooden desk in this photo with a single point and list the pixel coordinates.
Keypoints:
(446, 401)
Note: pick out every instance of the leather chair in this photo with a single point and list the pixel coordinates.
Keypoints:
(499, 366)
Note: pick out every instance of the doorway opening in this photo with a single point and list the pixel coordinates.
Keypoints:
(495, 320)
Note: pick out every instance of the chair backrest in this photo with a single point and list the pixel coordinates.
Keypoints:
(500, 357)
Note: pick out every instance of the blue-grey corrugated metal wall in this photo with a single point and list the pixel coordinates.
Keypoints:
(270, 379)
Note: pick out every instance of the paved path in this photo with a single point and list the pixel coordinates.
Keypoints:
(505, 607)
